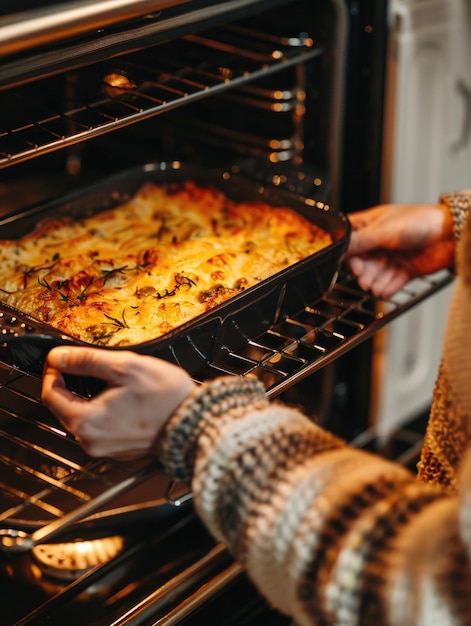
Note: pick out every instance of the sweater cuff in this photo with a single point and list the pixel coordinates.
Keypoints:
(177, 445)
(459, 204)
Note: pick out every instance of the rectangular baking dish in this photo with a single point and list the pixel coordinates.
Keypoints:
(199, 342)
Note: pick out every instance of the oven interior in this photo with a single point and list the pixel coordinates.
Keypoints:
(256, 88)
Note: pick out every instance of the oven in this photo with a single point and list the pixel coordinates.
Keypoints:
(288, 94)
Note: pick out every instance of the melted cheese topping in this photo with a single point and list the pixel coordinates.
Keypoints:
(135, 272)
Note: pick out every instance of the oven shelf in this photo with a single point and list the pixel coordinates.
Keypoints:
(308, 339)
(45, 473)
(118, 93)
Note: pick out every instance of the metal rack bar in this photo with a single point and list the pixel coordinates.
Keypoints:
(136, 91)
(212, 574)
(45, 474)
(309, 339)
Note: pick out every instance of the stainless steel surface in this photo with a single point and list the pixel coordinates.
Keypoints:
(47, 25)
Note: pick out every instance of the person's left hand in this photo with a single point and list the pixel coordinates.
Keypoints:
(391, 244)
(122, 421)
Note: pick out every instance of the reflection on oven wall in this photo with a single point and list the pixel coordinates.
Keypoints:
(427, 152)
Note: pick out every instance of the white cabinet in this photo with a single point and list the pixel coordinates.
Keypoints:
(427, 151)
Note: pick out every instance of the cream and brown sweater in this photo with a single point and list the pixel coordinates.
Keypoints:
(449, 427)
(332, 535)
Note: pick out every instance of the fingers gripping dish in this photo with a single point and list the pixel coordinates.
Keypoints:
(135, 272)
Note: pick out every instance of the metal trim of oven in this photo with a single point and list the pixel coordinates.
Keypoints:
(45, 25)
(102, 44)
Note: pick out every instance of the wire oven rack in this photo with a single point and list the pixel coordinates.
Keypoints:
(303, 342)
(45, 475)
(114, 94)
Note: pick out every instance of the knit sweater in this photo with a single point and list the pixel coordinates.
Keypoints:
(333, 535)
(448, 430)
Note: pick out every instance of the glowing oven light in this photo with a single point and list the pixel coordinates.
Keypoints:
(68, 561)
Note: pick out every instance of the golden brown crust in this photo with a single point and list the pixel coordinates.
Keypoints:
(133, 273)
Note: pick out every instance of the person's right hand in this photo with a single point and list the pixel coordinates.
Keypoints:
(124, 419)
(392, 243)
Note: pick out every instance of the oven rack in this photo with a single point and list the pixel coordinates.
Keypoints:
(302, 343)
(46, 475)
(113, 94)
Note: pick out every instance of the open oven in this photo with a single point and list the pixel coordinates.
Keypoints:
(287, 94)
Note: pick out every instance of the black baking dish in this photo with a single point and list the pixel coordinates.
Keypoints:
(196, 344)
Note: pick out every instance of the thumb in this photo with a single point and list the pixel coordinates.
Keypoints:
(363, 241)
(82, 361)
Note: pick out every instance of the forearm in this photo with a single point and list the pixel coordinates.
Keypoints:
(312, 520)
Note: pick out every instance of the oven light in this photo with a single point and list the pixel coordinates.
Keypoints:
(67, 561)
(117, 84)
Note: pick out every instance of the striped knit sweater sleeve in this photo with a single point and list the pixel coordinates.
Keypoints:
(330, 535)
(448, 431)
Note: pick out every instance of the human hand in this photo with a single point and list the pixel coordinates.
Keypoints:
(122, 421)
(392, 243)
